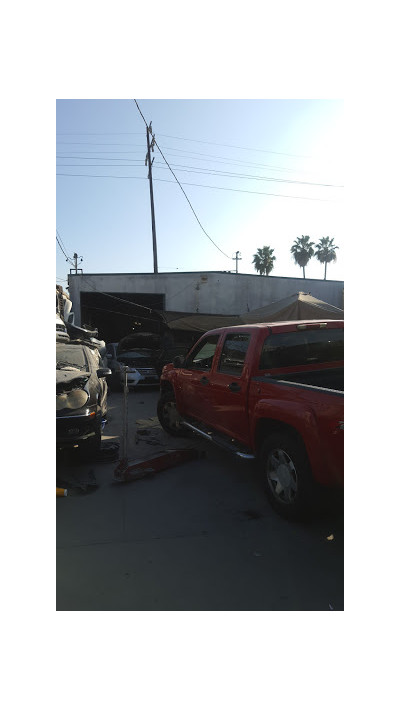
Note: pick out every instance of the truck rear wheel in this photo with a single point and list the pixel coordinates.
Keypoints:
(168, 415)
(287, 475)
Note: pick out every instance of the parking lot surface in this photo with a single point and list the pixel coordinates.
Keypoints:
(198, 536)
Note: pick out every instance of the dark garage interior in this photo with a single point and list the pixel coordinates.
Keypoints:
(115, 315)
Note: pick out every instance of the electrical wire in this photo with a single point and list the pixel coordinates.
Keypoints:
(65, 255)
(197, 185)
(99, 133)
(203, 171)
(91, 143)
(131, 303)
(227, 145)
(191, 206)
(181, 138)
(120, 313)
(59, 237)
(193, 156)
(117, 298)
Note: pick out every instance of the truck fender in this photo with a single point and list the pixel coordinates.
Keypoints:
(271, 414)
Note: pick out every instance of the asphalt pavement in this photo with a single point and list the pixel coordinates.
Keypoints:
(197, 536)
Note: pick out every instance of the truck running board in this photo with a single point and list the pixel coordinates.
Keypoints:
(218, 440)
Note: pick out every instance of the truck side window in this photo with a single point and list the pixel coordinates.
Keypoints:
(202, 357)
(234, 353)
(282, 350)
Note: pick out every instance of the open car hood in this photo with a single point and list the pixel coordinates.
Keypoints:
(66, 377)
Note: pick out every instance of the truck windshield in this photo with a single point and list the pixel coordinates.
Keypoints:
(282, 350)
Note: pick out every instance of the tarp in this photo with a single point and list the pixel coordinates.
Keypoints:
(199, 323)
(296, 307)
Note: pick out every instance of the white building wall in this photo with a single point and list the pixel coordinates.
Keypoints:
(206, 292)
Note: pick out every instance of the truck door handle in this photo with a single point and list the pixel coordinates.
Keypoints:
(204, 380)
(235, 387)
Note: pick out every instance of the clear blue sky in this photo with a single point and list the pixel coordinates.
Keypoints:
(256, 144)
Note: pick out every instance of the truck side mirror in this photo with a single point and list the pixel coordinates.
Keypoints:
(178, 361)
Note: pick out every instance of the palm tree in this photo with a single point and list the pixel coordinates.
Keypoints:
(325, 251)
(302, 251)
(263, 260)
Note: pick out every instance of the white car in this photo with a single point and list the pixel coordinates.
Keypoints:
(141, 365)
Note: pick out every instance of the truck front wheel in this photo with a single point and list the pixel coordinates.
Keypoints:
(287, 475)
(168, 415)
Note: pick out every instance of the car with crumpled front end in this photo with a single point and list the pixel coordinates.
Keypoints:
(81, 396)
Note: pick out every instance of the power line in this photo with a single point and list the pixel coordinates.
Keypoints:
(90, 143)
(197, 185)
(227, 145)
(117, 298)
(192, 155)
(59, 237)
(181, 138)
(121, 313)
(133, 160)
(99, 133)
(246, 176)
(189, 155)
(204, 171)
(191, 206)
(68, 259)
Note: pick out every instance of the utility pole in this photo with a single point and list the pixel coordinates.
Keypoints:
(150, 146)
(76, 264)
(236, 259)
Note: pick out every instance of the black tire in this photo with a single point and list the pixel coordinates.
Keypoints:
(287, 476)
(169, 416)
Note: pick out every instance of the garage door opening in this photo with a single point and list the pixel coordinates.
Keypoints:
(116, 315)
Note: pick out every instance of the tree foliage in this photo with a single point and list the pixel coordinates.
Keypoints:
(263, 260)
(302, 250)
(325, 251)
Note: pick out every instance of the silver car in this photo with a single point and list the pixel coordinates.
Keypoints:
(141, 363)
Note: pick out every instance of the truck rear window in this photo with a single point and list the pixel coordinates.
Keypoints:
(282, 350)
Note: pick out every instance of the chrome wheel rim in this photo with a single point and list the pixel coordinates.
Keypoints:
(282, 476)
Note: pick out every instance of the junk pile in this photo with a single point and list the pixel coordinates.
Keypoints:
(67, 331)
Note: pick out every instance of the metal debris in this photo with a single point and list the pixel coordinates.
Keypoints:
(126, 471)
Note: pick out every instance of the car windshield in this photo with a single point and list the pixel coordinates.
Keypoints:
(69, 356)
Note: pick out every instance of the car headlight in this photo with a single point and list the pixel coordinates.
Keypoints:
(73, 400)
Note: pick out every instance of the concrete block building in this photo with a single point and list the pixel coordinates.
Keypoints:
(104, 300)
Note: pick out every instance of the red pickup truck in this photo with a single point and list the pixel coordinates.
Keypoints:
(272, 391)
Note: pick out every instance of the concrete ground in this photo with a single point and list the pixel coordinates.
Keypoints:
(199, 536)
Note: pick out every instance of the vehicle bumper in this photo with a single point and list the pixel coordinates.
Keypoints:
(145, 378)
(75, 429)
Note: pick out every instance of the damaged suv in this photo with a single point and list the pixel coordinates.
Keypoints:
(81, 397)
